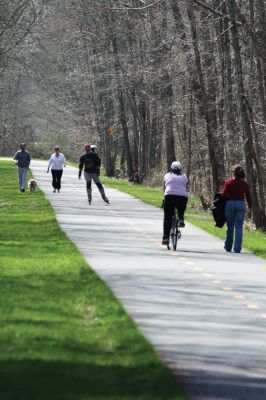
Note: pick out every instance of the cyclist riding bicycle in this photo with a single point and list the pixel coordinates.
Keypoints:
(175, 197)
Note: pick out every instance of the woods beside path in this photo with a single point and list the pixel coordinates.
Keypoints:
(149, 82)
(204, 310)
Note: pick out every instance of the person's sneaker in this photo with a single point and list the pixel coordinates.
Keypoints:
(106, 200)
(165, 241)
(89, 200)
(22, 190)
(181, 223)
(58, 190)
(54, 191)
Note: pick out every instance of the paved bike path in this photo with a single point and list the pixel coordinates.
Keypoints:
(204, 310)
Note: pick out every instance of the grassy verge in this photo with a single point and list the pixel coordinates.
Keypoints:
(63, 334)
(255, 241)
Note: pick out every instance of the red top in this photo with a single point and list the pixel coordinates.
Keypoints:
(237, 189)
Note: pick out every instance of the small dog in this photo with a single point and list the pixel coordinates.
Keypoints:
(32, 185)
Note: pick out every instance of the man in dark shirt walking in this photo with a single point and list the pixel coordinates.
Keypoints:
(91, 163)
(22, 159)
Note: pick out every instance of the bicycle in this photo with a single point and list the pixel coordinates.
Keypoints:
(175, 233)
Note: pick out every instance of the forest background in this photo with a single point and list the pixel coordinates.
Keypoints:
(148, 82)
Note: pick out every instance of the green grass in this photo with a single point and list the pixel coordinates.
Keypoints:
(255, 241)
(63, 335)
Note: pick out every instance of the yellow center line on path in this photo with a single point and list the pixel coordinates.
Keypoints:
(147, 236)
(190, 263)
(141, 230)
(130, 223)
(239, 296)
(153, 240)
(253, 306)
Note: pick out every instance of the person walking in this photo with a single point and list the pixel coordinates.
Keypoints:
(22, 159)
(91, 163)
(175, 197)
(236, 191)
(57, 162)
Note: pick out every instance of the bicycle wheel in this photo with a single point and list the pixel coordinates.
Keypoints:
(174, 240)
(173, 234)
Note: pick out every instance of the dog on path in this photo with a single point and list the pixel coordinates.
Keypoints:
(32, 185)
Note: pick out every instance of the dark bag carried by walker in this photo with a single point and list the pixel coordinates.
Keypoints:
(217, 209)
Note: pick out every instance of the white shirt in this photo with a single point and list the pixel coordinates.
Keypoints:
(175, 184)
(57, 162)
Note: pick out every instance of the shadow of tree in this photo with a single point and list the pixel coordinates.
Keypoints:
(42, 380)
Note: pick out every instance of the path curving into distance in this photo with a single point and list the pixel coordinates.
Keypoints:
(204, 310)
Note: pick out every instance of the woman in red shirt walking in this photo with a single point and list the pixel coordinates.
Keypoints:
(236, 191)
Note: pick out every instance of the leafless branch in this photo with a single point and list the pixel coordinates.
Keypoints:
(127, 8)
(214, 11)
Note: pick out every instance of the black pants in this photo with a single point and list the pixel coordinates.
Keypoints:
(172, 202)
(57, 175)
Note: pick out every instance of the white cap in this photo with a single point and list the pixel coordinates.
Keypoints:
(176, 165)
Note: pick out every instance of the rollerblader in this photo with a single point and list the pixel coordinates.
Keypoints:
(91, 163)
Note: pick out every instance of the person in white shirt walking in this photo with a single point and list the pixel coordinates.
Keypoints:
(57, 162)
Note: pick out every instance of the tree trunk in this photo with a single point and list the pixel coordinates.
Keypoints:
(258, 213)
(126, 145)
(122, 113)
(167, 97)
(216, 179)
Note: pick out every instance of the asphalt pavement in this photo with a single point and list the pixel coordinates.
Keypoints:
(204, 310)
